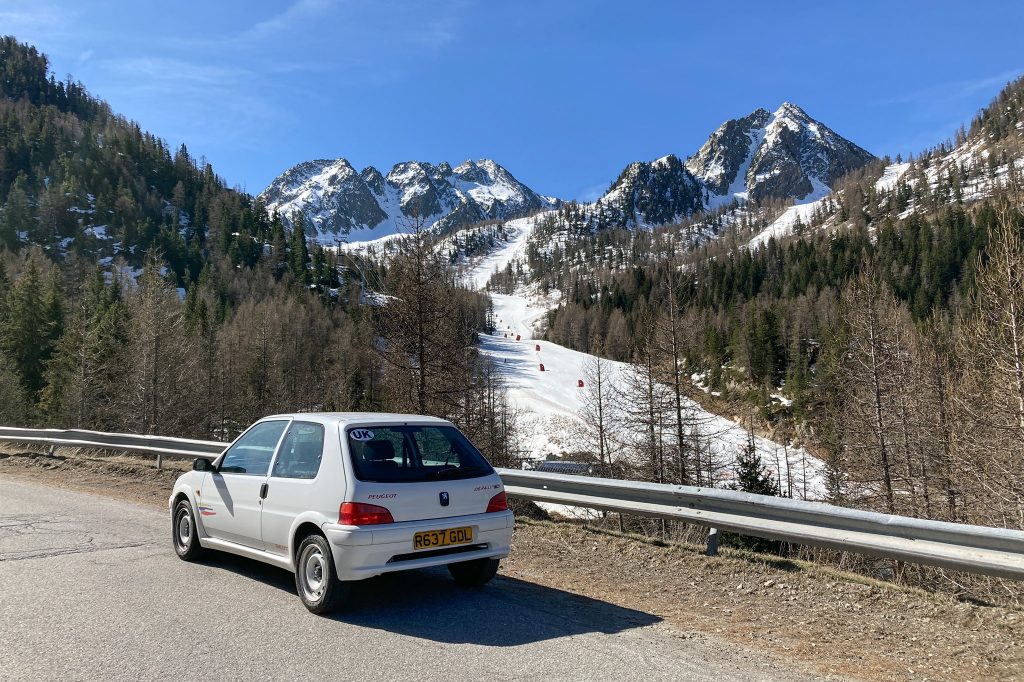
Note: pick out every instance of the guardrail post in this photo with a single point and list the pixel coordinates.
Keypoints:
(159, 460)
(712, 542)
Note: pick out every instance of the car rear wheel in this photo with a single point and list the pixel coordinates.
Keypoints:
(315, 580)
(183, 532)
(474, 573)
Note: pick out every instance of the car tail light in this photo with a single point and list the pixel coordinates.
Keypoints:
(360, 514)
(498, 503)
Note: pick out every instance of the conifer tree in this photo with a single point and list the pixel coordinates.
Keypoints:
(279, 259)
(24, 326)
(751, 474)
(86, 365)
(52, 311)
(17, 216)
(753, 477)
(298, 257)
(15, 406)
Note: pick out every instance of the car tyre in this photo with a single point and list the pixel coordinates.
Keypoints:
(315, 579)
(184, 533)
(474, 573)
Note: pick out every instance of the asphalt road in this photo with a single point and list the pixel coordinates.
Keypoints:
(90, 588)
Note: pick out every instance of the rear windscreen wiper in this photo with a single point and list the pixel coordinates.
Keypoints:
(446, 471)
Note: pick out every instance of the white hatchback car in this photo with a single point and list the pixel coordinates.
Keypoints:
(338, 497)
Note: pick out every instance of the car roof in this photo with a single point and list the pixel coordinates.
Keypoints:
(346, 418)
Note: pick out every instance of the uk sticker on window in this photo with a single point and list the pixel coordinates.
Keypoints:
(361, 434)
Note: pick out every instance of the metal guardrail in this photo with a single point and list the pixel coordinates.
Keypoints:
(161, 446)
(975, 549)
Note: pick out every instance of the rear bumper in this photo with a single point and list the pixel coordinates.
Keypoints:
(365, 551)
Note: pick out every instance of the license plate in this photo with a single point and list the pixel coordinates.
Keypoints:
(430, 539)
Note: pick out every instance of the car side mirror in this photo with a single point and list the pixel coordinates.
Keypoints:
(202, 464)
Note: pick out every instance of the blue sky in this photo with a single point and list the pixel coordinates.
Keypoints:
(563, 94)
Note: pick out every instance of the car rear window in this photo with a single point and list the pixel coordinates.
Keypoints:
(413, 454)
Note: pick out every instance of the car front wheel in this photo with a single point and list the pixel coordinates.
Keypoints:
(183, 532)
(474, 573)
(315, 579)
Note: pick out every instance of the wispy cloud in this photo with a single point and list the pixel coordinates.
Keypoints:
(231, 89)
(953, 91)
(173, 70)
(297, 13)
(435, 33)
(938, 111)
(213, 104)
(358, 41)
(47, 24)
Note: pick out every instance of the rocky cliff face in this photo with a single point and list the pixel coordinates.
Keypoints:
(339, 203)
(785, 155)
(654, 193)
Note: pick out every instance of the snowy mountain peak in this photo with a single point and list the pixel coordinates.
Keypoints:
(800, 157)
(784, 155)
(790, 109)
(477, 171)
(317, 171)
(339, 202)
(373, 179)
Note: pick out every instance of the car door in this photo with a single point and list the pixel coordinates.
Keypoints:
(230, 502)
(290, 490)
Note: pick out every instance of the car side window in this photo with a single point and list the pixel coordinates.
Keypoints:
(301, 451)
(251, 454)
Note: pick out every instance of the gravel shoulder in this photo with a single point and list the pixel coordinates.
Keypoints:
(835, 624)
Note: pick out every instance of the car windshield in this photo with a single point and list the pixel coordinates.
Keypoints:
(413, 454)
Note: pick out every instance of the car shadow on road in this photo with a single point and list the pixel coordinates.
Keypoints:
(427, 604)
(506, 612)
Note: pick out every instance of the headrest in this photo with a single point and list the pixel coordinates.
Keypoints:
(308, 450)
(379, 450)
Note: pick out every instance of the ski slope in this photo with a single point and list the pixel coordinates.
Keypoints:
(550, 402)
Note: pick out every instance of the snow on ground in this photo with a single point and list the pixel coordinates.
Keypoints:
(890, 176)
(519, 231)
(805, 208)
(550, 402)
(369, 243)
(783, 225)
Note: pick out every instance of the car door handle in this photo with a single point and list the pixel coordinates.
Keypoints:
(264, 489)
